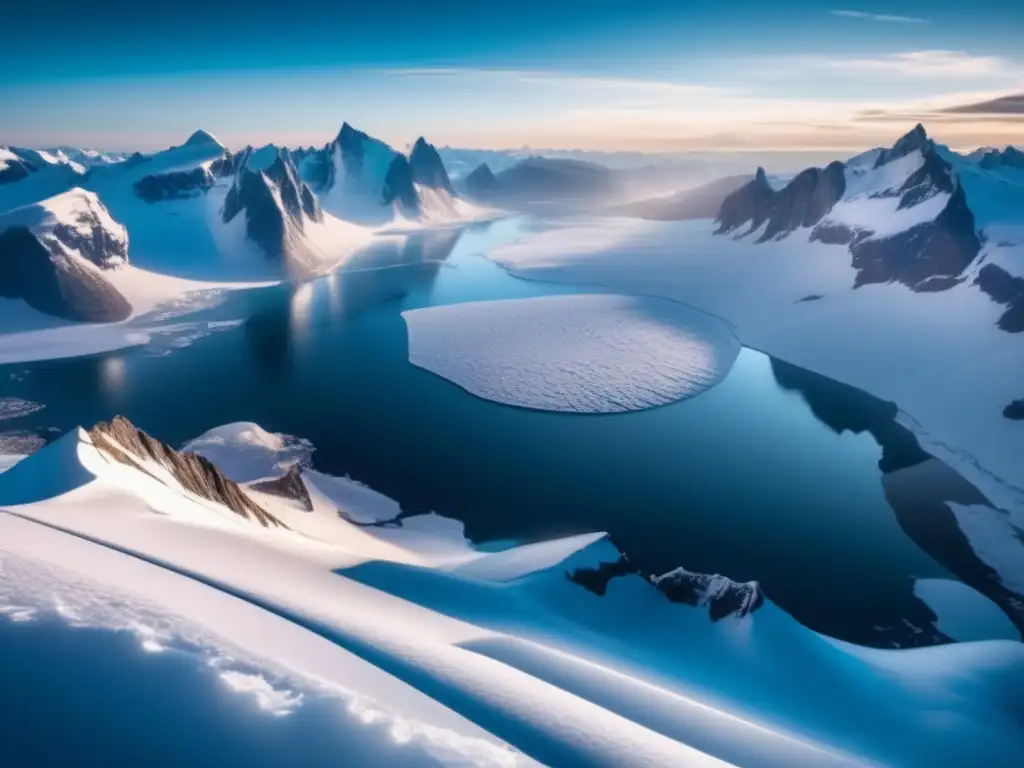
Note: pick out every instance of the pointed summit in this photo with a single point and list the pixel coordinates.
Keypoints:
(761, 178)
(428, 167)
(914, 140)
(200, 138)
(350, 138)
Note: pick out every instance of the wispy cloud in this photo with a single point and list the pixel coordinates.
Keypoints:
(883, 17)
(1004, 105)
(545, 77)
(931, 64)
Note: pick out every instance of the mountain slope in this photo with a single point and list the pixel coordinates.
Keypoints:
(508, 646)
(53, 255)
(904, 217)
(361, 179)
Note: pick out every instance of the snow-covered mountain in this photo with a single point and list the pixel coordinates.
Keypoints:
(1009, 157)
(362, 179)
(30, 175)
(53, 255)
(550, 653)
(904, 216)
(279, 211)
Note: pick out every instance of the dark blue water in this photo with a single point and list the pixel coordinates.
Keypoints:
(743, 480)
(93, 697)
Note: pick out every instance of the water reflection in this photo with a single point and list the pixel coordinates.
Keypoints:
(918, 487)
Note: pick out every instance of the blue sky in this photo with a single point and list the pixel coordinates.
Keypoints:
(599, 74)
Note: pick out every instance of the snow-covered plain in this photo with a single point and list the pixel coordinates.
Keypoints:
(483, 658)
(581, 353)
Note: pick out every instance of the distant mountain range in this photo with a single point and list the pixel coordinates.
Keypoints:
(909, 213)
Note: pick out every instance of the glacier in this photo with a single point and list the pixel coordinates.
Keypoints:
(578, 354)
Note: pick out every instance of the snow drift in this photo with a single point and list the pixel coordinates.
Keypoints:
(498, 653)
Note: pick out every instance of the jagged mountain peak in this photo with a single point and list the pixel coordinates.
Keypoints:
(124, 442)
(349, 137)
(761, 178)
(428, 167)
(915, 140)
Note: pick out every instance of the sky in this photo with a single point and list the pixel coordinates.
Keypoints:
(648, 75)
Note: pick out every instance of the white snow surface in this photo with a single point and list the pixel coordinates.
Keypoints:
(582, 354)
(997, 537)
(869, 203)
(161, 305)
(964, 613)
(939, 356)
(76, 209)
(246, 452)
(509, 653)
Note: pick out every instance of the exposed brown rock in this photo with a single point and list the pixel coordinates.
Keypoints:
(288, 486)
(126, 443)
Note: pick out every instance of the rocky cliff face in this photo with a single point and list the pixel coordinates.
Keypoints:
(428, 168)
(53, 255)
(801, 203)
(722, 597)
(274, 200)
(179, 185)
(126, 443)
(747, 208)
(399, 187)
(289, 486)
(1006, 289)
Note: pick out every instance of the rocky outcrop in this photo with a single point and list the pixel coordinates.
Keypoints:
(126, 443)
(288, 486)
(722, 597)
(1004, 288)
(801, 203)
(428, 168)
(399, 187)
(1015, 410)
(257, 189)
(481, 183)
(748, 206)
(55, 261)
(179, 185)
